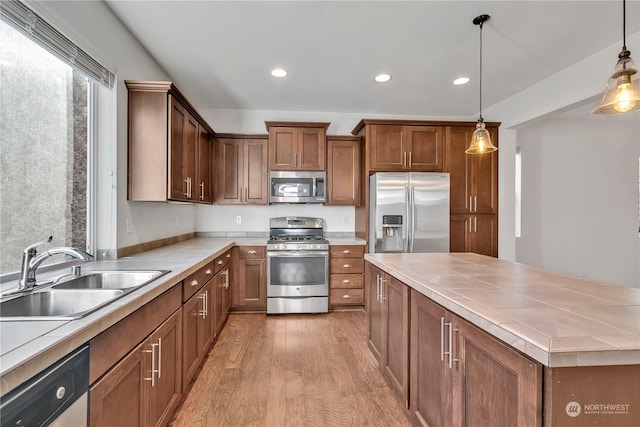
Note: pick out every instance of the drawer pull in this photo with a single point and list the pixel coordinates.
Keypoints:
(346, 281)
(347, 296)
(194, 282)
(346, 251)
(228, 255)
(208, 272)
(220, 262)
(346, 266)
(252, 252)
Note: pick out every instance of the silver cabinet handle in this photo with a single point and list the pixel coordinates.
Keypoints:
(346, 265)
(451, 358)
(470, 224)
(470, 203)
(159, 357)
(252, 252)
(295, 159)
(382, 297)
(208, 272)
(203, 312)
(202, 190)
(346, 296)
(153, 365)
(226, 282)
(186, 191)
(378, 287)
(475, 203)
(410, 162)
(228, 255)
(346, 281)
(404, 159)
(475, 224)
(194, 282)
(220, 262)
(346, 251)
(442, 339)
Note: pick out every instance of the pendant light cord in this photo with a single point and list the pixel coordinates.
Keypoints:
(624, 25)
(481, 119)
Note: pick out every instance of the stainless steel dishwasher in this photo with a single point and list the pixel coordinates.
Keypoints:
(55, 397)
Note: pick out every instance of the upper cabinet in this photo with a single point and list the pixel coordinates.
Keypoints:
(169, 146)
(343, 170)
(297, 146)
(406, 148)
(242, 170)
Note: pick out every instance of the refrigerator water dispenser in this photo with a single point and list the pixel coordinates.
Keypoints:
(392, 233)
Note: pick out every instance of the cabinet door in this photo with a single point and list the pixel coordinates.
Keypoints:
(167, 390)
(192, 333)
(221, 298)
(229, 171)
(178, 122)
(252, 286)
(343, 173)
(387, 148)
(203, 185)
(426, 148)
(226, 295)
(256, 175)
(484, 180)
(120, 397)
(311, 149)
(430, 381)
(458, 138)
(396, 357)
(283, 147)
(484, 235)
(459, 233)
(375, 319)
(500, 387)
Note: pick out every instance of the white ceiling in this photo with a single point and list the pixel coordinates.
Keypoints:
(220, 53)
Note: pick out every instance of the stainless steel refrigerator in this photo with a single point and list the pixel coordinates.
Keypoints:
(409, 212)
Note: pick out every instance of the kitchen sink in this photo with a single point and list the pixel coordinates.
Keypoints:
(125, 280)
(56, 304)
(73, 297)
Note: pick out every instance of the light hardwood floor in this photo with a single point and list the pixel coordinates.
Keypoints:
(291, 370)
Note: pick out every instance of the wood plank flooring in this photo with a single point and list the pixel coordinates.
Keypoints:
(289, 371)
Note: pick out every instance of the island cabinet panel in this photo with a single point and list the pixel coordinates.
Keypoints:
(388, 329)
(241, 172)
(250, 282)
(168, 156)
(343, 171)
(297, 146)
(462, 376)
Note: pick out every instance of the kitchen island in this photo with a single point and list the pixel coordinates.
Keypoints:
(542, 347)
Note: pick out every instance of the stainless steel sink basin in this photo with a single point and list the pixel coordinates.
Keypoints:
(126, 280)
(75, 296)
(57, 304)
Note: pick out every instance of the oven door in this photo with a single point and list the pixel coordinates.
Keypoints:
(297, 273)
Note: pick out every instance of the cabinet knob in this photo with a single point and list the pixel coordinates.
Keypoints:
(346, 296)
(194, 283)
(220, 262)
(228, 255)
(346, 281)
(252, 252)
(346, 265)
(346, 251)
(208, 272)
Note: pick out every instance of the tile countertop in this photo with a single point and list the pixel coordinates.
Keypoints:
(28, 347)
(556, 319)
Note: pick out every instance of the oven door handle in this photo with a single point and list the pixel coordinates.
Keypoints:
(297, 253)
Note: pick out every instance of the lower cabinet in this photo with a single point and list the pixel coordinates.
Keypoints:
(144, 388)
(476, 233)
(388, 329)
(346, 287)
(250, 282)
(462, 376)
(222, 290)
(197, 332)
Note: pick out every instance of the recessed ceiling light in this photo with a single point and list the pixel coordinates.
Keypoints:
(461, 81)
(381, 78)
(278, 72)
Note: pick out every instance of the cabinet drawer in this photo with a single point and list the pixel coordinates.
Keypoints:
(346, 281)
(346, 251)
(346, 297)
(347, 265)
(251, 252)
(197, 280)
(222, 260)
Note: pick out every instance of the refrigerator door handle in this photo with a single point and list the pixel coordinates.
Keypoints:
(412, 206)
(408, 213)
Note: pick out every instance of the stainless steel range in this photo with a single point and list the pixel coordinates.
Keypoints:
(297, 266)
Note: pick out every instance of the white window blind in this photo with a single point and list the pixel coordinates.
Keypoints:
(21, 17)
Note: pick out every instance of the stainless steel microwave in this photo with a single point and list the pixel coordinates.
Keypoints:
(296, 187)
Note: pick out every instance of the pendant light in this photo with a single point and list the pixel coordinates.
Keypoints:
(481, 139)
(622, 93)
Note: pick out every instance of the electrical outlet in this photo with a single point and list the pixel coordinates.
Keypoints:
(238, 219)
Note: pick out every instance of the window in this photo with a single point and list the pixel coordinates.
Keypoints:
(45, 140)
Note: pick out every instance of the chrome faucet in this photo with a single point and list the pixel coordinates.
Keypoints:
(31, 262)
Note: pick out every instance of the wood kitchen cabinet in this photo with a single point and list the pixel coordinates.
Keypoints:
(297, 146)
(242, 175)
(474, 233)
(197, 312)
(144, 388)
(250, 284)
(406, 148)
(388, 329)
(461, 376)
(346, 278)
(169, 153)
(222, 290)
(343, 171)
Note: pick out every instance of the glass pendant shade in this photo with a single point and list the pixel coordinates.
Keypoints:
(622, 93)
(480, 141)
